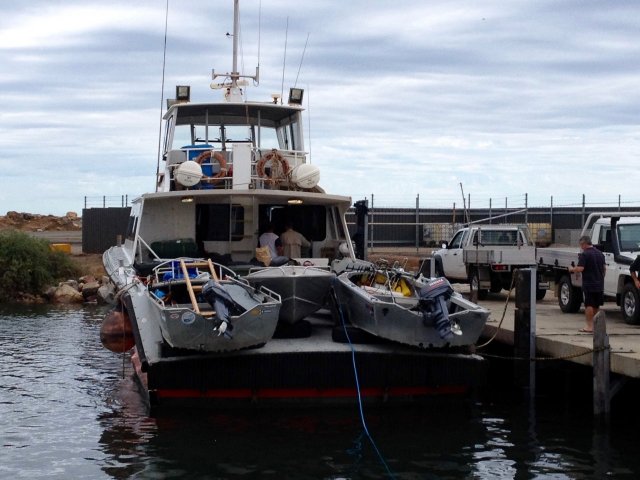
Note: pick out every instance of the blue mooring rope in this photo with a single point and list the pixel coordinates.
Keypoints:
(355, 374)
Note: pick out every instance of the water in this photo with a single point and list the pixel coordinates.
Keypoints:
(66, 412)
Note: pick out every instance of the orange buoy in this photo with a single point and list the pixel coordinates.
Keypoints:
(116, 333)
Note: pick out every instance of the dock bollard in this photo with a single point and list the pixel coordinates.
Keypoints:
(601, 367)
(524, 331)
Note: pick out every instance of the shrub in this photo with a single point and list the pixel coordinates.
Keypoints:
(27, 265)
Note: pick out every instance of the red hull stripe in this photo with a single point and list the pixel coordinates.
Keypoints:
(307, 392)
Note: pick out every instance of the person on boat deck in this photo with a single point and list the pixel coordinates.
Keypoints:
(271, 240)
(293, 242)
(268, 239)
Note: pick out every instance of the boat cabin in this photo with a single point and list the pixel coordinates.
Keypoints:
(253, 174)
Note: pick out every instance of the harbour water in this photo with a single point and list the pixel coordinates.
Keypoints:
(66, 411)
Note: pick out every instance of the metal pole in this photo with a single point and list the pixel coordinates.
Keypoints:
(526, 206)
(619, 202)
(490, 212)
(583, 207)
(85, 202)
(372, 222)
(553, 235)
(417, 223)
(104, 201)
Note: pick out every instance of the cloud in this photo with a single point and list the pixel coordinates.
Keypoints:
(405, 99)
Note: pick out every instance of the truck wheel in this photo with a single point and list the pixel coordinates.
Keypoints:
(496, 284)
(630, 304)
(569, 297)
(475, 285)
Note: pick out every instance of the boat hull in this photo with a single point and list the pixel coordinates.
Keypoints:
(303, 290)
(395, 317)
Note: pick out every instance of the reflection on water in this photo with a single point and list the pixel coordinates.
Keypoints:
(67, 412)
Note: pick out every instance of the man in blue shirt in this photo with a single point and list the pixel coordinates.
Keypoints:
(592, 265)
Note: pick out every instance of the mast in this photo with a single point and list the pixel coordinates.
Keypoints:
(231, 85)
(236, 14)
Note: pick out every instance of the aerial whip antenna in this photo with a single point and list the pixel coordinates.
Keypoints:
(164, 62)
(301, 60)
(259, 35)
(284, 62)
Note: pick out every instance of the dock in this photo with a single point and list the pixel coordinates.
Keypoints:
(557, 333)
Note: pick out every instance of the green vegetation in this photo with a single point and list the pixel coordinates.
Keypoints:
(27, 265)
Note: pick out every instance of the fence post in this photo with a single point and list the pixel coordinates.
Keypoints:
(553, 231)
(85, 202)
(104, 201)
(490, 212)
(417, 223)
(583, 207)
(526, 208)
(372, 224)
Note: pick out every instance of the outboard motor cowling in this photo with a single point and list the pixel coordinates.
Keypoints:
(216, 295)
(433, 304)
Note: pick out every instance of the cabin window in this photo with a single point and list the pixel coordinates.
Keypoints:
(219, 223)
(309, 220)
(131, 227)
(181, 136)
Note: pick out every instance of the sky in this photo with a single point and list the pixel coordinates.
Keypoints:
(511, 102)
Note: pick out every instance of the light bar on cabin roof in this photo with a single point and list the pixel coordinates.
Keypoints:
(295, 96)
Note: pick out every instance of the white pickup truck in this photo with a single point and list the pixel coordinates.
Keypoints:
(617, 235)
(486, 256)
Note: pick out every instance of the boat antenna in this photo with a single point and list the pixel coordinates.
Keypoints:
(301, 60)
(309, 120)
(284, 62)
(164, 63)
(259, 35)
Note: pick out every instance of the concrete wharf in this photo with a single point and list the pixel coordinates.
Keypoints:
(557, 333)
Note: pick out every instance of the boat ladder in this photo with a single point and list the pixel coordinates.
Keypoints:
(192, 289)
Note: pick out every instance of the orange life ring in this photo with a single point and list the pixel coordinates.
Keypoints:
(206, 155)
(272, 156)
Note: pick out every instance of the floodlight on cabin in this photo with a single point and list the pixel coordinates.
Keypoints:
(186, 199)
(295, 96)
(295, 201)
(183, 93)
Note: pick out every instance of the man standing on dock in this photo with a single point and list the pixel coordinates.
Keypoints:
(592, 265)
(634, 268)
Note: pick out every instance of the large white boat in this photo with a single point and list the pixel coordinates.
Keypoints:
(197, 300)
(230, 168)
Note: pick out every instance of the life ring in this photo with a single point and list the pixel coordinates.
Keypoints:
(217, 156)
(273, 156)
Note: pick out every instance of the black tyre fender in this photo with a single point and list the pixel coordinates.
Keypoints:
(474, 281)
(630, 304)
(569, 297)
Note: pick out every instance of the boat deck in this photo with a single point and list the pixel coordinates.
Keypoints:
(314, 368)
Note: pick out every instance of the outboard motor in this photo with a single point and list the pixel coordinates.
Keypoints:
(433, 305)
(222, 303)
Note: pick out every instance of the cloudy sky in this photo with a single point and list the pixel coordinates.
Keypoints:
(406, 98)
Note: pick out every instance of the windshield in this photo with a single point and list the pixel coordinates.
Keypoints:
(629, 236)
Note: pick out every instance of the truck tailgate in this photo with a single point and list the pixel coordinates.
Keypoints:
(558, 256)
(504, 255)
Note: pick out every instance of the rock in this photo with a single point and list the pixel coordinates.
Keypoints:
(72, 283)
(90, 289)
(87, 279)
(106, 294)
(65, 293)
